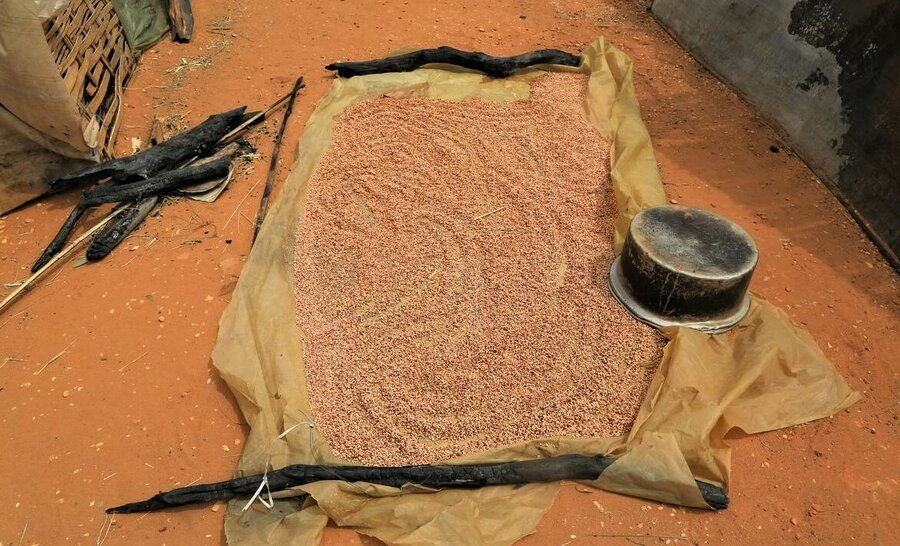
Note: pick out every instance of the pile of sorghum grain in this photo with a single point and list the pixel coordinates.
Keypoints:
(451, 268)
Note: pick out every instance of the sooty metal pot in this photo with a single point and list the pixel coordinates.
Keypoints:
(683, 266)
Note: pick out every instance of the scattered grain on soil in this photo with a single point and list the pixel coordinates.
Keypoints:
(451, 267)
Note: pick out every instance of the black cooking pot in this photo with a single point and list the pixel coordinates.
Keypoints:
(683, 266)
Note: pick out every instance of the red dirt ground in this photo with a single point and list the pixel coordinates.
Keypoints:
(133, 405)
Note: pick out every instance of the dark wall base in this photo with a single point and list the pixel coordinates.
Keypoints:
(827, 73)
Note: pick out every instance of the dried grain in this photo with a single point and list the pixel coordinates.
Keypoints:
(451, 266)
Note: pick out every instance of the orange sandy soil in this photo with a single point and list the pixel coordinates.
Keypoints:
(133, 404)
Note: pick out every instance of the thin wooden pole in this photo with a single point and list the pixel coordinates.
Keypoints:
(7, 301)
(273, 164)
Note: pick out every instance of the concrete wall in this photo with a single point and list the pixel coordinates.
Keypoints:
(827, 72)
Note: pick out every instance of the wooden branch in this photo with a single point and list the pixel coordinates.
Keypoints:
(194, 142)
(496, 67)
(563, 467)
(273, 163)
(181, 18)
(231, 150)
(116, 231)
(218, 130)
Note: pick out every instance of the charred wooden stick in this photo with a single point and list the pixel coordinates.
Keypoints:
(181, 18)
(273, 163)
(496, 67)
(60, 239)
(230, 150)
(563, 467)
(167, 181)
(217, 130)
(115, 232)
(182, 148)
(195, 142)
(253, 119)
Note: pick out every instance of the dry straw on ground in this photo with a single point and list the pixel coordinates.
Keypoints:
(451, 268)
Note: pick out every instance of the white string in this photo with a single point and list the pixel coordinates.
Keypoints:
(288, 431)
(270, 502)
(267, 503)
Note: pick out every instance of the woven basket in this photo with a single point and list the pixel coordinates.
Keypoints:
(95, 61)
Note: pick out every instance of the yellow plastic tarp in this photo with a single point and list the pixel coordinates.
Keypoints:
(763, 375)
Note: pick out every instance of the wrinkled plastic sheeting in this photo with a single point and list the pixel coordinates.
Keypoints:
(763, 375)
(26, 168)
(40, 125)
(41, 130)
(143, 21)
(31, 89)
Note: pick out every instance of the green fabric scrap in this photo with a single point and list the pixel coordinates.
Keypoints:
(144, 21)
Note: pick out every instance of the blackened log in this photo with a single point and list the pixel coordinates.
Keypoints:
(496, 67)
(195, 142)
(217, 130)
(181, 19)
(564, 467)
(115, 232)
(162, 183)
(229, 150)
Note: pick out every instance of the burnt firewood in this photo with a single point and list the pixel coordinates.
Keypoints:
(563, 467)
(496, 67)
(115, 193)
(218, 131)
(135, 212)
(116, 231)
(195, 142)
(181, 19)
(231, 150)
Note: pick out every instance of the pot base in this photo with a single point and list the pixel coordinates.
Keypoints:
(619, 287)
